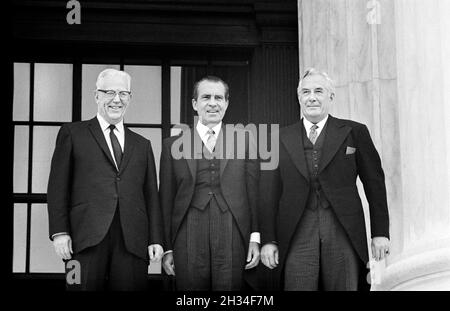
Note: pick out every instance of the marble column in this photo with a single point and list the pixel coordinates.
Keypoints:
(423, 75)
(390, 61)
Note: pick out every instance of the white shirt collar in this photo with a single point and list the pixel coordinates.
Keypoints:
(307, 124)
(202, 129)
(105, 125)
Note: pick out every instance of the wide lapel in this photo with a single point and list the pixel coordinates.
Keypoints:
(94, 127)
(194, 152)
(224, 149)
(293, 141)
(336, 132)
(128, 149)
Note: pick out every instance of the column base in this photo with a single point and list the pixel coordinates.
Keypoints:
(428, 271)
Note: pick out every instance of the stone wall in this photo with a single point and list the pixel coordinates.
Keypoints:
(390, 61)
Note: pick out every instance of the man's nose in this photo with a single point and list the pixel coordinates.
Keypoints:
(116, 98)
(309, 97)
(312, 98)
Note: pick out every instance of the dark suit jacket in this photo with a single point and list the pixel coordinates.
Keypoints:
(238, 181)
(85, 187)
(284, 191)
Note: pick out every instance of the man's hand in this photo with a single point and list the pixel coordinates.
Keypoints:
(380, 247)
(63, 246)
(155, 251)
(168, 264)
(269, 255)
(252, 256)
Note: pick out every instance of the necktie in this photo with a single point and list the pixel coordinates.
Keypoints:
(115, 145)
(313, 133)
(211, 141)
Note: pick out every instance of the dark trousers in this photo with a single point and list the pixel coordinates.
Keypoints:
(209, 253)
(321, 254)
(109, 266)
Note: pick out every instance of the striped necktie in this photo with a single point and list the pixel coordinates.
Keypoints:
(313, 134)
(211, 141)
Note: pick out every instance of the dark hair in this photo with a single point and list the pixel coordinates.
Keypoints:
(211, 79)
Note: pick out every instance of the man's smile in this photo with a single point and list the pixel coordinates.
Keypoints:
(115, 108)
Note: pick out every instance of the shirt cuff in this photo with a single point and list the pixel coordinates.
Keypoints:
(255, 237)
(167, 252)
(59, 233)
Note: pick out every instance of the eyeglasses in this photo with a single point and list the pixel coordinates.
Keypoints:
(110, 94)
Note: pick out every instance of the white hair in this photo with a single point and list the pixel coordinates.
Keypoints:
(112, 72)
(313, 72)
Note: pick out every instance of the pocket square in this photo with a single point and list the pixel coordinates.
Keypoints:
(350, 150)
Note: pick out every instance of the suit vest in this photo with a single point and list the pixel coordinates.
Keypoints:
(207, 183)
(313, 153)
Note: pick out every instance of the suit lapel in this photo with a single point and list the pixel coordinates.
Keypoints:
(226, 154)
(293, 141)
(336, 132)
(191, 155)
(96, 131)
(128, 149)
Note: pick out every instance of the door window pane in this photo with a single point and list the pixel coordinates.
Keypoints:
(42, 254)
(53, 92)
(175, 131)
(20, 184)
(21, 105)
(20, 237)
(89, 77)
(175, 94)
(145, 104)
(43, 146)
(155, 137)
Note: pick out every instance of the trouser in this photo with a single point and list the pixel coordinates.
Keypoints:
(209, 253)
(321, 254)
(109, 266)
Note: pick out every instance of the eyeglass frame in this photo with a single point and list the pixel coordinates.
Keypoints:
(105, 92)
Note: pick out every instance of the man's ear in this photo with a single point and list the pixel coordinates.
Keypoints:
(194, 104)
(332, 96)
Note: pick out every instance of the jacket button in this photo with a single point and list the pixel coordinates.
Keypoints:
(118, 178)
(210, 193)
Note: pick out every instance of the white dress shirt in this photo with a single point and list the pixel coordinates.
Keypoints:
(319, 128)
(202, 131)
(119, 131)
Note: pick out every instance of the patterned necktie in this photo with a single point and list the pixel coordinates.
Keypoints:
(115, 145)
(313, 133)
(211, 141)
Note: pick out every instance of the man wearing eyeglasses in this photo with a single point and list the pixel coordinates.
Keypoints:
(102, 195)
